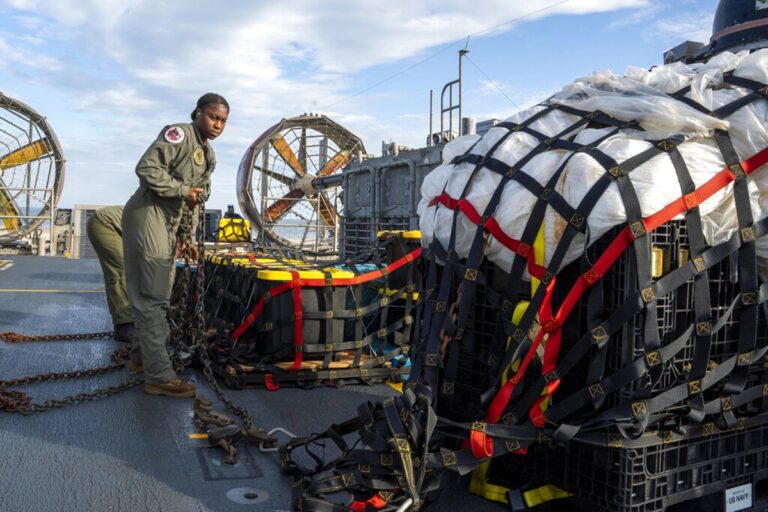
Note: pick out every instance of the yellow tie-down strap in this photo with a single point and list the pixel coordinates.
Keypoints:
(479, 484)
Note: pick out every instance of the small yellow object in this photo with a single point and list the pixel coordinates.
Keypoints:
(198, 436)
(199, 156)
(234, 230)
(407, 235)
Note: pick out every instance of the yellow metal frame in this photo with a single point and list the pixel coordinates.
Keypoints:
(21, 156)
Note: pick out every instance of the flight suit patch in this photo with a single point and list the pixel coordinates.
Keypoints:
(199, 156)
(174, 135)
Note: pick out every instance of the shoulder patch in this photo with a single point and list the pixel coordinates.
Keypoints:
(174, 135)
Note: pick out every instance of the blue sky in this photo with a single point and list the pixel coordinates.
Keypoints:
(109, 74)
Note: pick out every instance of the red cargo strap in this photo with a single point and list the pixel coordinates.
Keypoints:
(281, 288)
(368, 276)
(481, 444)
(505, 393)
(374, 501)
(257, 309)
(269, 383)
(492, 226)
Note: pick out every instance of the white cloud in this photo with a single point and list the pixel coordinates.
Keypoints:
(76, 12)
(14, 56)
(131, 66)
(638, 16)
(693, 23)
(693, 26)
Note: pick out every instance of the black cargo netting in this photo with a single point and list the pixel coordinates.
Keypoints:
(651, 337)
(277, 321)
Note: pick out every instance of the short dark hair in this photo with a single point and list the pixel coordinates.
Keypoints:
(209, 98)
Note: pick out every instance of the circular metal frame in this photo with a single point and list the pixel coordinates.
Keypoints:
(286, 187)
(31, 170)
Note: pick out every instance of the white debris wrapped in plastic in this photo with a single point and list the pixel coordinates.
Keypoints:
(642, 96)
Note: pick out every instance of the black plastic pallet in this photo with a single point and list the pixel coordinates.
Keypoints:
(664, 477)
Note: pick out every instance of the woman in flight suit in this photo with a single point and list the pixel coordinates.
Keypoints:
(174, 179)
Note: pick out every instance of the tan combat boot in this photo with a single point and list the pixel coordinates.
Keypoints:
(176, 388)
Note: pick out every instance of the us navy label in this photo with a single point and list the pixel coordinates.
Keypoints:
(738, 498)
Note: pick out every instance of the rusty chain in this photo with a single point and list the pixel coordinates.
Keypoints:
(12, 400)
(194, 327)
(12, 337)
(182, 322)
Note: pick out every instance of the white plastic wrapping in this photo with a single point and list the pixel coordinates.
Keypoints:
(642, 96)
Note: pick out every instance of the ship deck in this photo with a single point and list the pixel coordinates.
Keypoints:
(132, 451)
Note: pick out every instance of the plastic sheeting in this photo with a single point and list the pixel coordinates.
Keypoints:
(641, 95)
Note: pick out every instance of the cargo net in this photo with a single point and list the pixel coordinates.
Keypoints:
(596, 269)
(282, 321)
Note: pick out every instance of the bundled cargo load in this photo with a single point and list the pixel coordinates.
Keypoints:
(568, 144)
(595, 279)
(648, 151)
(283, 321)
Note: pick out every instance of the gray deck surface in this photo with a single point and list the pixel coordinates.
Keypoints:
(132, 452)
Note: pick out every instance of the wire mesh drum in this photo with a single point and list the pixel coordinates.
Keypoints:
(31, 170)
(286, 187)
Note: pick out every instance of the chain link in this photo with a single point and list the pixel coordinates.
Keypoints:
(194, 325)
(12, 337)
(185, 320)
(12, 400)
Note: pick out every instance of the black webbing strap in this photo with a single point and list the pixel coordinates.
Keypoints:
(360, 342)
(401, 446)
(331, 333)
(747, 265)
(701, 300)
(596, 370)
(412, 307)
(627, 416)
(425, 315)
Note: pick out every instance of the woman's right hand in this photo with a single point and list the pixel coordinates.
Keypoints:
(193, 197)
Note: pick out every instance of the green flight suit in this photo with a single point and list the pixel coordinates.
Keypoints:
(152, 225)
(106, 236)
